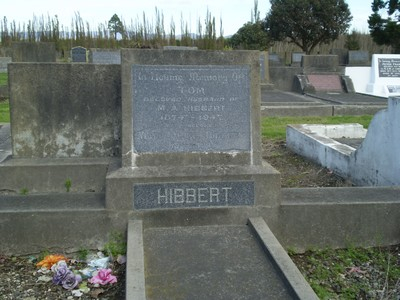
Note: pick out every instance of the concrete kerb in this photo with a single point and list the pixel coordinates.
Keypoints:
(282, 260)
(135, 278)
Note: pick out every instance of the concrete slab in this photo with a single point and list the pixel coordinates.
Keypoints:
(209, 262)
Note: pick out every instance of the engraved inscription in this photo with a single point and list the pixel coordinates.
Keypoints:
(389, 67)
(191, 108)
(193, 194)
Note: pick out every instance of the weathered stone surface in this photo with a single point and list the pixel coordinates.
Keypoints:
(78, 54)
(69, 110)
(191, 108)
(33, 52)
(105, 56)
(221, 140)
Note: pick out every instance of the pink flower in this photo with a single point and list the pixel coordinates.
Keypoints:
(103, 277)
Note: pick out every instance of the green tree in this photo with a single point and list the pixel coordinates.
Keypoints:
(251, 36)
(115, 25)
(385, 31)
(353, 41)
(307, 23)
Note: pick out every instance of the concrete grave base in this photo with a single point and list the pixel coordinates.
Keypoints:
(120, 184)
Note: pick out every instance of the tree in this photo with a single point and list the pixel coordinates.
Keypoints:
(385, 31)
(251, 36)
(307, 23)
(115, 25)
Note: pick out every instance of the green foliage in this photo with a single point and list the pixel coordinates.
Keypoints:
(275, 127)
(68, 184)
(83, 254)
(353, 41)
(307, 23)
(115, 25)
(385, 31)
(4, 112)
(24, 191)
(251, 36)
(3, 78)
(116, 245)
(344, 273)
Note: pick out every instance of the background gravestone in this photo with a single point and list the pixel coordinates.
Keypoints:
(359, 58)
(78, 54)
(4, 61)
(105, 56)
(33, 52)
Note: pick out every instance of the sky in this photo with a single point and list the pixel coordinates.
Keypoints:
(233, 13)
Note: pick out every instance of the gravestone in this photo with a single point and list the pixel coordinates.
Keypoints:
(264, 67)
(319, 63)
(342, 55)
(358, 58)
(179, 48)
(78, 54)
(105, 56)
(296, 58)
(274, 60)
(191, 132)
(385, 75)
(33, 52)
(4, 61)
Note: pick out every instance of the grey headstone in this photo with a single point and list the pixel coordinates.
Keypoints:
(179, 48)
(193, 194)
(296, 57)
(342, 55)
(78, 54)
(359, 58)
(4, 61)
(274, 60)
(33, 52)
(101, 56)
(191, 108)
(262, 67)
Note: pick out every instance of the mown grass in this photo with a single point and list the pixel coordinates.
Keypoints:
(3, 78)
(275, 127)
(5, 112)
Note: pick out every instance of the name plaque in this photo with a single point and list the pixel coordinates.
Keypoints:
(389, 67)
(193, 194)
(191, 108)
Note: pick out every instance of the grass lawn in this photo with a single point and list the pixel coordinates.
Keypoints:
(4, 112)
(3, 78)
(275, 127)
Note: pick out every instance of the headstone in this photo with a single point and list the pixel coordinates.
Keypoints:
(342, 55)
(264, 67)
(179, 48)
(188, 118)
(319, 63)
(359, 58)
(385, 75)
(4, 61)
(78, 54)
(33, 52)
(105, 56)
(296, 58)
(274, 59)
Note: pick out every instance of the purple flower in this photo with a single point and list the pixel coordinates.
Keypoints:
(60, 272)
(71, 280)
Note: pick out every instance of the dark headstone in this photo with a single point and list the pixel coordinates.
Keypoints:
(191, 108)
(359, 58)
(342, 55)
(389, 67)
(78, 54)
(193, 194)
